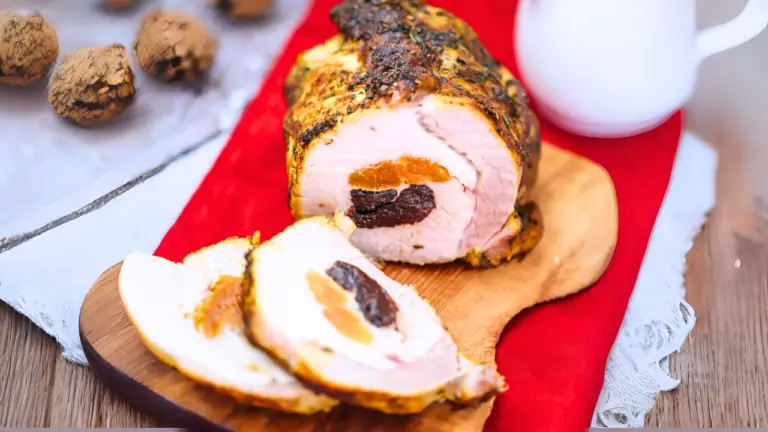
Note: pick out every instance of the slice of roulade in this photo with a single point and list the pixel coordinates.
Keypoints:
(407, 124)
(342, 326)
(190, 316)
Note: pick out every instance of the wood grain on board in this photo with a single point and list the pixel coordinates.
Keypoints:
(580, 213)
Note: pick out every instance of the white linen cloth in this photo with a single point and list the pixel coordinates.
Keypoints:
(131, 181)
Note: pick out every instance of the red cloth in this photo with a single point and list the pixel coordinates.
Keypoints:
(553, 355)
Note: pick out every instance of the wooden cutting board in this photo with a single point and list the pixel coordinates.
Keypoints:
(579, 208)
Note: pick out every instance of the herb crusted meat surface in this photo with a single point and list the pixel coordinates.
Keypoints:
(405, 122)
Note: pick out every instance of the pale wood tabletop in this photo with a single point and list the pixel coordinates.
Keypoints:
(723, 365)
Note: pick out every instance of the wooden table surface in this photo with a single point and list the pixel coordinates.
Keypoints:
(723, 365)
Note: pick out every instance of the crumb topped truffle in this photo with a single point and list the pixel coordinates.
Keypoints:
(92, 85)
(28, 48)
(243, 9)
(174, 46)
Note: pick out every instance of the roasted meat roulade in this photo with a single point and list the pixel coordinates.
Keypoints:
(189, 315)
(343, 327)
(406, 123)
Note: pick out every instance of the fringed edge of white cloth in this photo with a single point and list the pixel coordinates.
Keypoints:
(658, 319)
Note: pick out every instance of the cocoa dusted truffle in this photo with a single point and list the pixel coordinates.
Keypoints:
(92, 85)
(28, 48)
(243, 8)
(174, 46)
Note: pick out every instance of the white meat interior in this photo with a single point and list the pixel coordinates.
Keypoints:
(160, 298)
(470, 208)
(413, 357)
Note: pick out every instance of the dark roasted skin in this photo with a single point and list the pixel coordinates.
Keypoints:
(528, 226)
(390, 51)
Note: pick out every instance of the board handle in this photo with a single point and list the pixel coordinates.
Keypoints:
(748, 24)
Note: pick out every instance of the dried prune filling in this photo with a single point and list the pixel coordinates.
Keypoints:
(375, 304)
(387, 208)
(368, 201)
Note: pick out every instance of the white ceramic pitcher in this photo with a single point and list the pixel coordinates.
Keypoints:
(608, 68)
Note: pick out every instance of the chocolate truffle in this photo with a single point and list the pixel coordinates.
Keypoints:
(243, 8)
(28, 48)
(174, 46)
(92, 85)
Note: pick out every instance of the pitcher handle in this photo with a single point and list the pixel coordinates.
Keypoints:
(748, 24)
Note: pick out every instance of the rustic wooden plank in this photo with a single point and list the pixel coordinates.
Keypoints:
(41, 389)
(81, 400)
(723, 363)
(115, 412)
(76, 396)
(26, 371)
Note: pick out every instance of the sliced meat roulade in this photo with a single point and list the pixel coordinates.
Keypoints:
(190, 316)
(343, 327)
(407, 124)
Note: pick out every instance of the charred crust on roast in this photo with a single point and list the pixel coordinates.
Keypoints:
(249, 300)
(363, 19)
(403, 48)
(293, 82)
(411, 206)
(528, 212)
(374, 301)
(519, 244)
(529, 230)
(308, 135)
(395, 63)
(532, 157)
(485, 263)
